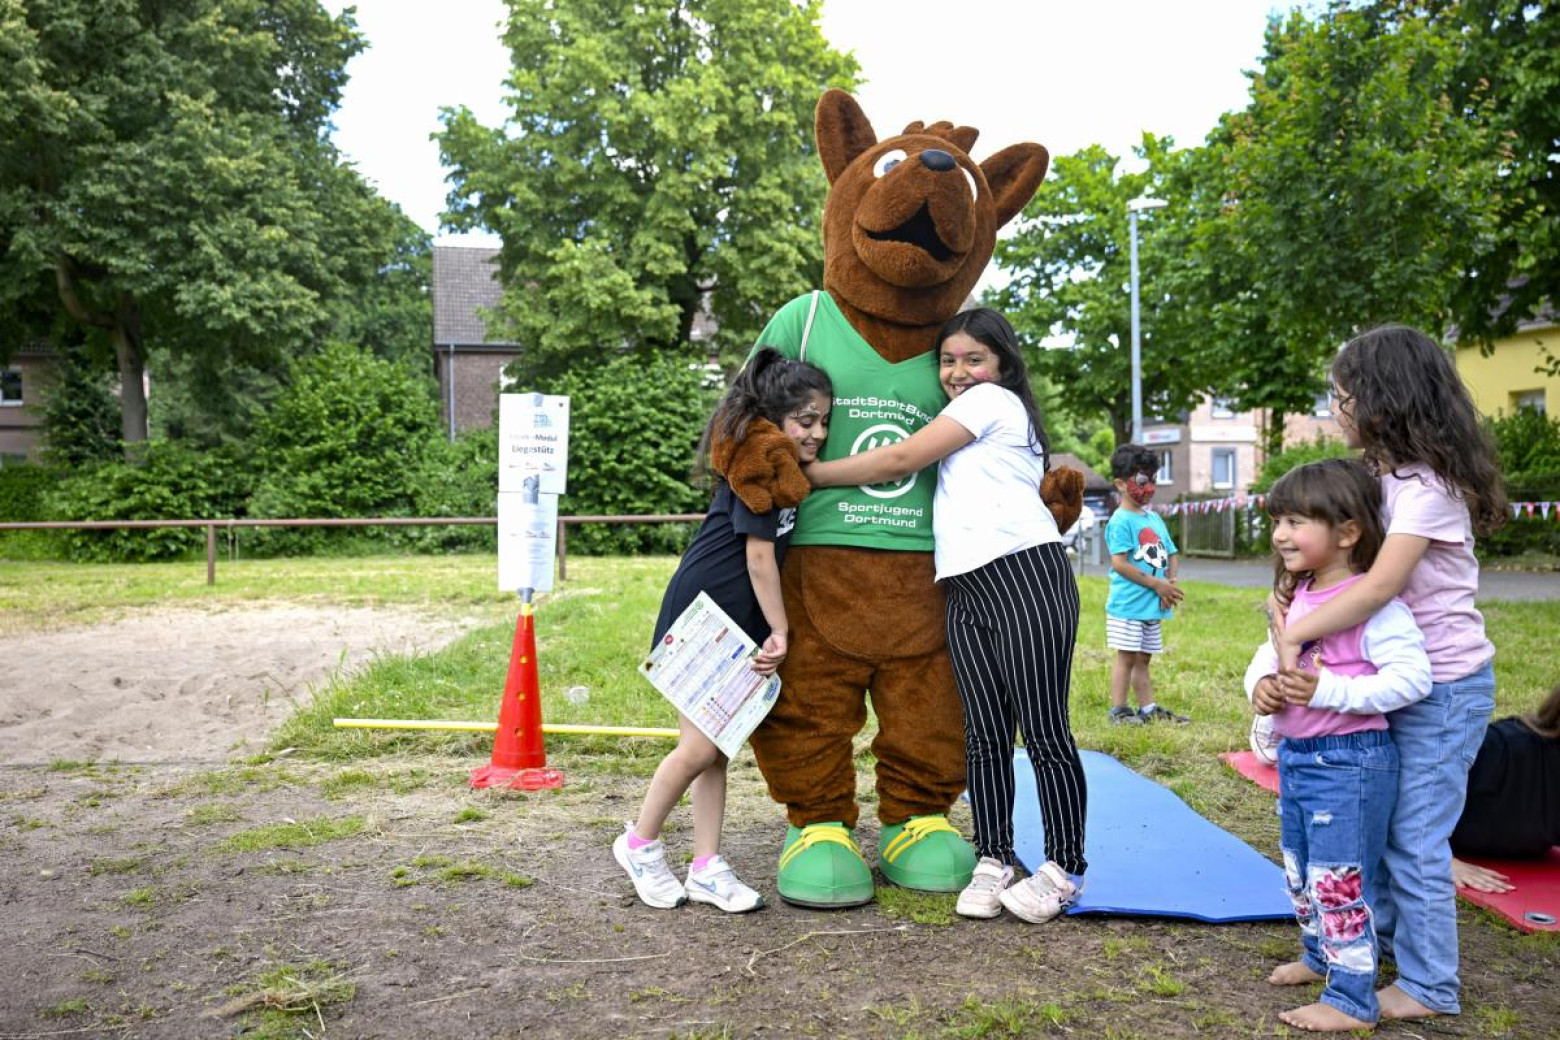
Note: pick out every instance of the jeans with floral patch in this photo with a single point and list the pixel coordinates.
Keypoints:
(1336, 804)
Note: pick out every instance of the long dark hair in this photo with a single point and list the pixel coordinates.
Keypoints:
(1408, 405)
(991, 329)
(1333, 492)
(1546, 720)
(770, 387)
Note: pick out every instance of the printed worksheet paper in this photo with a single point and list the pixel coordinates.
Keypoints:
(704, 667)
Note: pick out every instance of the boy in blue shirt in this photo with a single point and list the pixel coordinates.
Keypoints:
(1143, 562)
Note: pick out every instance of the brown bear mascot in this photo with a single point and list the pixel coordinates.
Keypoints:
(909, 227)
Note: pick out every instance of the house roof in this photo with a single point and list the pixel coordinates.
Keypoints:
(465, 284)
(1092, 481)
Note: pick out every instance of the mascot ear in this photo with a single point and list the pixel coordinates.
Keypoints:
(1014, 175)
(843, 132)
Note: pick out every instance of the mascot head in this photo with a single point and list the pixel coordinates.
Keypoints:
(911, 220)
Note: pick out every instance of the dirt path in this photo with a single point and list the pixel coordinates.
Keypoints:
(175, 898)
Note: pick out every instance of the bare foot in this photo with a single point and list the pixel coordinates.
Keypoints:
(1323, 1018)
(1295, 973)
(1480, 879)
(1397, 1004)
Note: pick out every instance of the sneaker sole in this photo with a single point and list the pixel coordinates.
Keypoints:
(1024, 915)
(979, 914)
(620, 854)
(697, 896)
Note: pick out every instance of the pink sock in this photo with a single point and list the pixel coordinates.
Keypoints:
(636, 843)
(701, 862)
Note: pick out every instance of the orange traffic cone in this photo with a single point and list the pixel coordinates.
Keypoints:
(519, 757)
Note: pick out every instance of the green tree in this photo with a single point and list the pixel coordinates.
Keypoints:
(657, 155)
(1069, 265)
(1351, 191)
(80, 413)
(165, 166)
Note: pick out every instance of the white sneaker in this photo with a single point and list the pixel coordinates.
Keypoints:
(646, 866)
(718, 885)
(1041, 896)
(982, 896)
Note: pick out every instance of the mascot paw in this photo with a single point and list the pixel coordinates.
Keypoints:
(1062, 491)
(763, 469)
(821, 867)
(925, 853)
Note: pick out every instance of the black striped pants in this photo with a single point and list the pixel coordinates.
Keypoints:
(1012, 625)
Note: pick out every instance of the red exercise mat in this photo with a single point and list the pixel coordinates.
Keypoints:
(1534, 906)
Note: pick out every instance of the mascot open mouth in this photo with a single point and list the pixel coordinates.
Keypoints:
(918, 231)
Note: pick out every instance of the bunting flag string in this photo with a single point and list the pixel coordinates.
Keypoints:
(1519, 510)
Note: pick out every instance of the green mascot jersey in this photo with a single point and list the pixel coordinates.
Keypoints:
(875, 403)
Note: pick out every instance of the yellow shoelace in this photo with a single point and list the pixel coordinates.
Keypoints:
(818, 835)
(914, 831)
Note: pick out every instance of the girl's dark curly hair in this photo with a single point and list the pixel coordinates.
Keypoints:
(1333, 492)
(769, 386)
(1408, 405)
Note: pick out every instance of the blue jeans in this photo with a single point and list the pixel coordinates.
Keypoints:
(1415, 899)
(1334, 809)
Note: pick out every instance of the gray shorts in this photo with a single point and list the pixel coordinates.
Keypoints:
(1133, 636)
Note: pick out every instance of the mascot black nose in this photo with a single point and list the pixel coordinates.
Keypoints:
(936, 159)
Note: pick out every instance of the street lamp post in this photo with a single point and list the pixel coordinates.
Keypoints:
(1135, 207)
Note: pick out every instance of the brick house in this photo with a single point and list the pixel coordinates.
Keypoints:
(23, 383)
(467, 363)
(1215, 449)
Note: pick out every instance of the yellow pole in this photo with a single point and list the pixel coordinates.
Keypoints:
(489, 727)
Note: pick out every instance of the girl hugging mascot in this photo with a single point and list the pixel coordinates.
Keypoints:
(909, 226)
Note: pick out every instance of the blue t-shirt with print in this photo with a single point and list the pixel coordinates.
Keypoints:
(1147, 545)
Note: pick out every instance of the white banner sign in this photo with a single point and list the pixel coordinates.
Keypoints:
(527, 542)
(533, 442)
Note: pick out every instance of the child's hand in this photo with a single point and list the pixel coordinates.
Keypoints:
(1169, 594)
(771, 655)
(1298, 687)
(1266, 698)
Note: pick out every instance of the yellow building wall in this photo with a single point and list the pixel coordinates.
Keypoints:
(1514, 368)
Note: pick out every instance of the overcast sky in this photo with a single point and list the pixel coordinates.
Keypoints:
(1064, 74)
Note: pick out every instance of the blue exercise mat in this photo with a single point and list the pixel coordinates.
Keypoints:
(1150, 854)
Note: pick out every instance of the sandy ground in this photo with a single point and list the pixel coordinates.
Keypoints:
(186, 685)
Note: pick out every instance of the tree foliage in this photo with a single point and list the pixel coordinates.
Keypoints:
(1069, 264)
(165, 171)
(1351, 191)
(656, 154)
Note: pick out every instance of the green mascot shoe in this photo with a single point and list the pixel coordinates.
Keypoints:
(820, 867)
(925, 853)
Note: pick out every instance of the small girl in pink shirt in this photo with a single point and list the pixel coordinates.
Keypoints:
(1399, 399)
(1337, 765)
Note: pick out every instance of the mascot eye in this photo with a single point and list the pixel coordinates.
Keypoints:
(887, 161)
(974, 188)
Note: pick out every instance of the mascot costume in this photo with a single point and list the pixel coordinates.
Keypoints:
(909, 226)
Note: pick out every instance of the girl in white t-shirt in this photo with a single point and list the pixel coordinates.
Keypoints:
(1398, 397)
(1012, 605)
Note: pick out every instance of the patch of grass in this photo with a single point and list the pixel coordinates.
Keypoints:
(212, 813)
(27, 823)
(69, 765)
(657, 993)
(66, 1008)
(347, 781)
(1115, 947)
(899, 1015)
(441, 870)
(470, 814)
(1159, 982)
(125, 865)
(1008, 1017)
(289, 1001)
(931, 908)
(1496, 1021)
(99, 976)
(298, 835)
(237, 780)
(140, 898)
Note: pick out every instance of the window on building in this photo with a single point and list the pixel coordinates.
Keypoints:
(11, 386)
(1166, 474)
(1223, 468)
(1323, 406)
(1222, 408)
(1530, 399)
